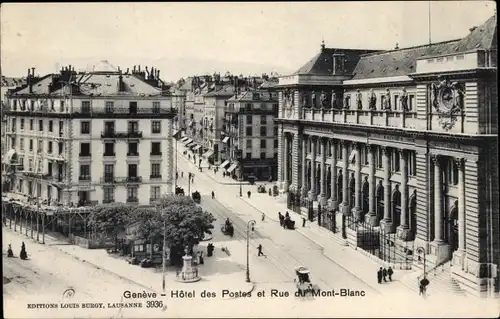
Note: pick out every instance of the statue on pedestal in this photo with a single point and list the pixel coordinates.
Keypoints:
(387, 100)
(372, 98)
(322, 99)
(334, 100)
(404, 100)
(359, 101)
(304, 99)
(346, 100)
(313, 98)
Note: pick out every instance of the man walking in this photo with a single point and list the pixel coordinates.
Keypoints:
(260, 253)
(213, 195)
(379, 275)
(389, 273)
(281, 218)
(384, 274)
(303, 222)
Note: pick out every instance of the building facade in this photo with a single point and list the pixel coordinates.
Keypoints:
(402, 143)
(88, 138)
(250, 135)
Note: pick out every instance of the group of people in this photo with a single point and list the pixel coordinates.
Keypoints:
(286, 221)
(23, 255)
(384, 274)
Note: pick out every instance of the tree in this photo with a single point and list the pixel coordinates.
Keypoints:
(185, 223)
(111, 219)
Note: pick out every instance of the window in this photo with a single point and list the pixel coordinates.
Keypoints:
(13, 128)
(84, 173)
(155, 192)
(155, 170)
(395, 105)
(132, 194)
(60, 147)
(61, 107)
(31, 125)
(249, 119)
(275, 107)
(109, 173)
(275, 131)
(13, 142)
(51, 126)
(30, 166)
(22, 124)
(84, 149)
(263, 119)
(411, 99)
(50, 147)
(21, 144)
(109, 194)
(155, 127)
(85, 127)
(110, 107)
(40, 125)
(40, 146)
(248, 155)
(249, 131)
(262, 143)
(452, 172)
(132, 149)
(132, 170)
(275, 143)
(248, 107)
(262, 155)
(133, 126)
(155, 148)
(14, 104)
(395, 160)
(20, 186)
(52, 105)
(412, 163)
(249, 143)
(380, 157)
(32, 105)
(156, 107)
(61, 128)
(109, 149)
(85, 107)
(263, 131)
(49, 168)
(109, 128)
(132, 107)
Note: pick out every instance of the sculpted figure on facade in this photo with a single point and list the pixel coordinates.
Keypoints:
(304, 99)
(346, 99)
(359, 101)
(334, 100)
(387, 100)
(404, 100)
(447, 100)
(372, 100)
(322, 99)
(313, 99)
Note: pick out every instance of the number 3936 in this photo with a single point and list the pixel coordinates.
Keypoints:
(154, 304)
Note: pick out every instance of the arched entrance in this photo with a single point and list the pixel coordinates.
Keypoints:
(396, 207)
(413, 215)
(366, 197)
(380, 201)
(339, 186)
(452, 227)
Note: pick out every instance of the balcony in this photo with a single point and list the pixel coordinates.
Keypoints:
(132, 154)
(132, 200)
(111, 154)
(153, 201)
(108, 201)
(155, 153)
(84, 155)
(121, 180)
(158, 176)
(99, 113)
(84, 178)
(121, 135)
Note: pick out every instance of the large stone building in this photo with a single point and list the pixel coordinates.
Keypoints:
(249, 136)
(403, 144)
(94, 137)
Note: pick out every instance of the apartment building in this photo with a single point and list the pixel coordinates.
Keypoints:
(91, 137)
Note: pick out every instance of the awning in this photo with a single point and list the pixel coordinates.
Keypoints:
(189, 144)
(226, 162)
(226, 139)
(197, 147)
(208, 153)
(232, 167)
(189, 140)
(177, 134)
(185, 138)
(10, 154)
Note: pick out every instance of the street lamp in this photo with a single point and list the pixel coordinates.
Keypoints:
(250, 223)
(239, 154)
(421, 251)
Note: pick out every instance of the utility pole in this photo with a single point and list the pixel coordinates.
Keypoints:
(164, 250)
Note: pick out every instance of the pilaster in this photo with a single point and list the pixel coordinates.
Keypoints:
(333, 201)
(322, 193)
(296, 167)
(344, 206)
(280, 155)
(312, 191)
(170, 159)
(386, 222)
(371, 217)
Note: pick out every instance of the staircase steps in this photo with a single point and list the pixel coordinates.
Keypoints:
(441, 282)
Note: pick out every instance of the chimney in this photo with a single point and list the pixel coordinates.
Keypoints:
(139, 70)
(30, 79)
(147, 72)
(158, 74)
(397, 46)
(133, 70)
(70, 67)
(127, 70)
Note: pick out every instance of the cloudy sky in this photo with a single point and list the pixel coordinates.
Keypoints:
(182, 39)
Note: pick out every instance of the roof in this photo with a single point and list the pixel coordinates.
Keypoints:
(227, 90)
(268, 84)
(322, 63)
(248, 95)
(12, 82)
(403, 61)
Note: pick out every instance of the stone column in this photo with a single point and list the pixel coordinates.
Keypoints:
(460, 254)
(403, 229)
(438, 246)
(304, 189)
(386, 223)
(280, 159)
(312, 191)
(356, 211)
(322, 193)
(371, 217)
(332, 202)
(285, 183)
(345, 180)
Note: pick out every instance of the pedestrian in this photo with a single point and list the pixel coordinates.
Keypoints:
(303, 222)
(384, 274)
(213, 195)
(379, 275)
(389, 273)
(263, 216)
(281, 218)
(182, 174)
(421, 290)
(176, 175)
(260, 253)
(249, 193)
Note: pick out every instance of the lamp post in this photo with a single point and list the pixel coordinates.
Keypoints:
(421, 251)
(250, 223)
(239, 154)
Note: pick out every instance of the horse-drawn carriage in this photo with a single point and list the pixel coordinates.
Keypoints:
(303, 281)
(179, 191)
(196, 197)
(261, 189)
(227, 228)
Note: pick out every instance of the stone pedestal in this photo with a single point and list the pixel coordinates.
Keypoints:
(332, 204)
(284, 186)
(458, 259)
(403, 233)
(344, 209)
(386, 226)
(357, 213)
(322, 200)
(371, 219)
(440, 250)
(303, 192)
(188, 272)
(312, 195)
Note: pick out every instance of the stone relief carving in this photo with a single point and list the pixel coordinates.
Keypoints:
(447, 100)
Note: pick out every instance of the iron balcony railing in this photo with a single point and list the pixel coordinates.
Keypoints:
(114, 134)
(121, 180)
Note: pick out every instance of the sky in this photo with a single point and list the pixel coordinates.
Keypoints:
(183, 39)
